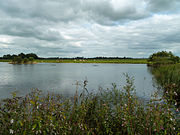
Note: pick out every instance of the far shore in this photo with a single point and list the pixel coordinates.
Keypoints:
(111, 61)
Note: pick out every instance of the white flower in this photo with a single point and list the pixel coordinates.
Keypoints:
(11, 131)
(175, 103)
(175, 93)
(37, 107)
(12, 121)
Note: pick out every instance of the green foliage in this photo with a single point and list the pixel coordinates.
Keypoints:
(20, 60)
(17, 60)
(31, 59)
(25, 60)
(22, 55)
(33, 55)
(168, 77)
(163, 58)
(107, 112)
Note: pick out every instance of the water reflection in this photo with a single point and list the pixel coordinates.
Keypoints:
(62, 77)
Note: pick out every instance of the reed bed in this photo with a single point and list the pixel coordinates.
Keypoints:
(168, 76)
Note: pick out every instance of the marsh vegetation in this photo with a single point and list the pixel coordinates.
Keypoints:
(109, 111)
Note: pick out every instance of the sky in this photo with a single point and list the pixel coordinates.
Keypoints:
(89, 28)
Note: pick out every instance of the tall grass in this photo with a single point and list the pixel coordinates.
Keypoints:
(110, 111)
(168, 76)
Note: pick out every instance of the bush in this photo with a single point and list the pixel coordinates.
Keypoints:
(162, 58)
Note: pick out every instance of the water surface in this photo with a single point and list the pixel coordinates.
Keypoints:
(62, 77)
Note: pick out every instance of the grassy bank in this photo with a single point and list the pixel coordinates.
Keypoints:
(120, 61)
(168, 76)
(116, 61)
(107, 112)
(3, 60)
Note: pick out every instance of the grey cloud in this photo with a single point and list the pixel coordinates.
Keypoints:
(163, 5)
(51, 10)
(43, 48)
(22, 28)
(105, 12)
(89, 28)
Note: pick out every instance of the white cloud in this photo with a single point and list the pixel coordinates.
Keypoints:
(89, 28)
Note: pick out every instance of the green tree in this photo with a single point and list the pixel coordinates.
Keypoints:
(32, 55)
(22, 55)
(17, 60)
(31, 59)
(25, 60)
(163, 58)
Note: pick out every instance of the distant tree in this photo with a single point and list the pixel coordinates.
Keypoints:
(17, 60)
(13, 56)
(8, 56)
(31, 59)
(32, 55)
(162, 58)
(25, 60)
(22, 55)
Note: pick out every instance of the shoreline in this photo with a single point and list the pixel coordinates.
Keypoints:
(98, 61)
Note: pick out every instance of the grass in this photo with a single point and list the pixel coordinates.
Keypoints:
(168, 76)
(107, 112)
(3, 60)
(115, 61)
(120, 61)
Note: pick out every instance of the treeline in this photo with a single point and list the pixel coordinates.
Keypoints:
(35, 56)
(22, 55)
(97, 58)
(21, 58)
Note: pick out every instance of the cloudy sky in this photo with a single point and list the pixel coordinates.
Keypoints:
(89, 28)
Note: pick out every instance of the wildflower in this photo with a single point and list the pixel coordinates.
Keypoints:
(175, 103)
(37, 107)
(171, 119)
(162, 127)
(166, 92)
(11, 131)
(12, 121)
(175, 93)
(177, 110)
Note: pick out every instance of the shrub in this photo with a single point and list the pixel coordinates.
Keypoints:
(162, 58)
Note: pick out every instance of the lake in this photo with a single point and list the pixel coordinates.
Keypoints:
(62, 77)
